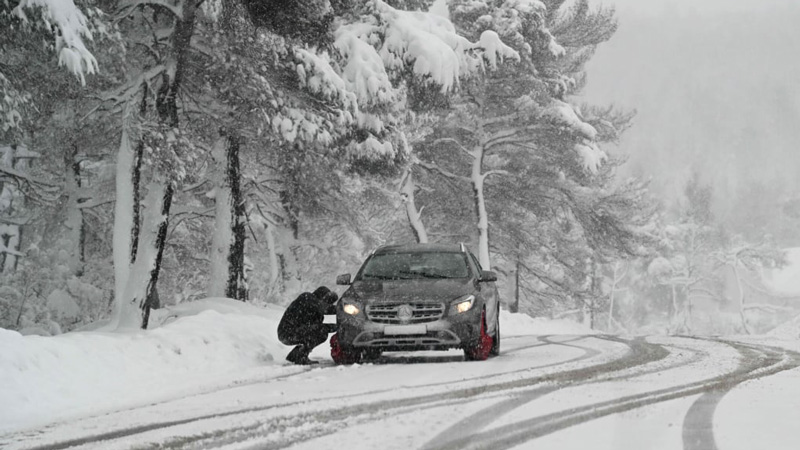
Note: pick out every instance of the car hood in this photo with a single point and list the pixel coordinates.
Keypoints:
(417, 290)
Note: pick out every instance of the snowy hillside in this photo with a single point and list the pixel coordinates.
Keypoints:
(195, 347)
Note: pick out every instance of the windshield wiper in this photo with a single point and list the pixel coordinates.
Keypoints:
(423, 274)
(376, 277)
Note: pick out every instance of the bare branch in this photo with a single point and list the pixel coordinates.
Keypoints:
(22, 177)
(454, 141)
(95, 203)
(436, 168)
(495, 172)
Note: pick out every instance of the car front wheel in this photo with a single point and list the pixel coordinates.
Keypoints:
(480, 349)
(343, 355)
(496, 338)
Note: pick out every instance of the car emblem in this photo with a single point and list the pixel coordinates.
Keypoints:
(404, 313)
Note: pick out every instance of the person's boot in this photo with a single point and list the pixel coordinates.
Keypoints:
(299, 355)
(296, 355)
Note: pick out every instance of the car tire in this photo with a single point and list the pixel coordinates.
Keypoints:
(343, 355)
(480, 349)
(496, 338)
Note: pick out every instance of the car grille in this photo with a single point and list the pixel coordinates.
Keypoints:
(421, 312)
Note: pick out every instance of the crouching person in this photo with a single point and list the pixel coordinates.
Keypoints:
(302, 323)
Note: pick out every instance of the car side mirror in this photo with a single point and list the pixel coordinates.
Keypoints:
(343, 279)
(488, 275)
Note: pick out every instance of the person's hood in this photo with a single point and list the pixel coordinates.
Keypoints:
(416, 290)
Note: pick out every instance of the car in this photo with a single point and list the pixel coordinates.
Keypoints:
(417, 297)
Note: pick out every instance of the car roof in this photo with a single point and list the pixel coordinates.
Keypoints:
(421, 248)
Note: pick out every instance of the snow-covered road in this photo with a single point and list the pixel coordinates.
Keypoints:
(554, 392)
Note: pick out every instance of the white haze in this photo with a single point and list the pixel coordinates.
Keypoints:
(715, 84)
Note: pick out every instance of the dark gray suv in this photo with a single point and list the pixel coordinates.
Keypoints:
(417, 297)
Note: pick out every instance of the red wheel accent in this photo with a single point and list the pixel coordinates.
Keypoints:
(336, 350)
(481, 349)
(340, 355)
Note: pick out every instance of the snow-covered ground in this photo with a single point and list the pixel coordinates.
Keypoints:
(211, 374)
(192, 347)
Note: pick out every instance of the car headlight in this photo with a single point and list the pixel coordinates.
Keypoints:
(464, 304)
(351, 309)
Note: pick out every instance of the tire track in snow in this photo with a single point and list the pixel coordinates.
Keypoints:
(320, 423)
(468, 424)
(698, 424)
(471, 424)
(771, 361)
(121, 433)
(637, 348)
(117, 434)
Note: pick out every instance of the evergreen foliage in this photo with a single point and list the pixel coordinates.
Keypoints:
(326, 115)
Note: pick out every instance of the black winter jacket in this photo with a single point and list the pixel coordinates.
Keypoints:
(307, 309)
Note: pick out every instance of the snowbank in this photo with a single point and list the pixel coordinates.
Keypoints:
(789, 330)
(89, 372)
(522, 324)
(190, 348)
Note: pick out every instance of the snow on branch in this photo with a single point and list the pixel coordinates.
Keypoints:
(11, 251)
(69, 26)
(591, 157)
(11, 103)
(317, 74)
(564, 114)
(526, 6)
(363, 70)
(493, 48)
(426, 43)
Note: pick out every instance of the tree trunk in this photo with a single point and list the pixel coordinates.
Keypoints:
(227, 260)
(742, 315)
(140, 291)
(414, 219)
(167, 95)
(237, 278)
(480, 207)
(675, 308)
(136, 179)
(273, 258)
(123, 225)
(10, 232)
(515, 306)
(611, 297)
(74, 223)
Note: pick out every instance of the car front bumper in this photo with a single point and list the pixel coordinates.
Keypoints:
(450, 331)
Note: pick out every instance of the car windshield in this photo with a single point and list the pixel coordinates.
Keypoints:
(401, 266)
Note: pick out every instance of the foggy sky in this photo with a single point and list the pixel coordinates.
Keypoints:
(716, 84)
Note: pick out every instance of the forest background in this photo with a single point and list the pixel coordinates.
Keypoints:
(161, 151)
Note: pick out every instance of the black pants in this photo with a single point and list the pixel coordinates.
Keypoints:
(305, 338)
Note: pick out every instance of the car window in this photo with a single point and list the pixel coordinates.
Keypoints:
(398, 266)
